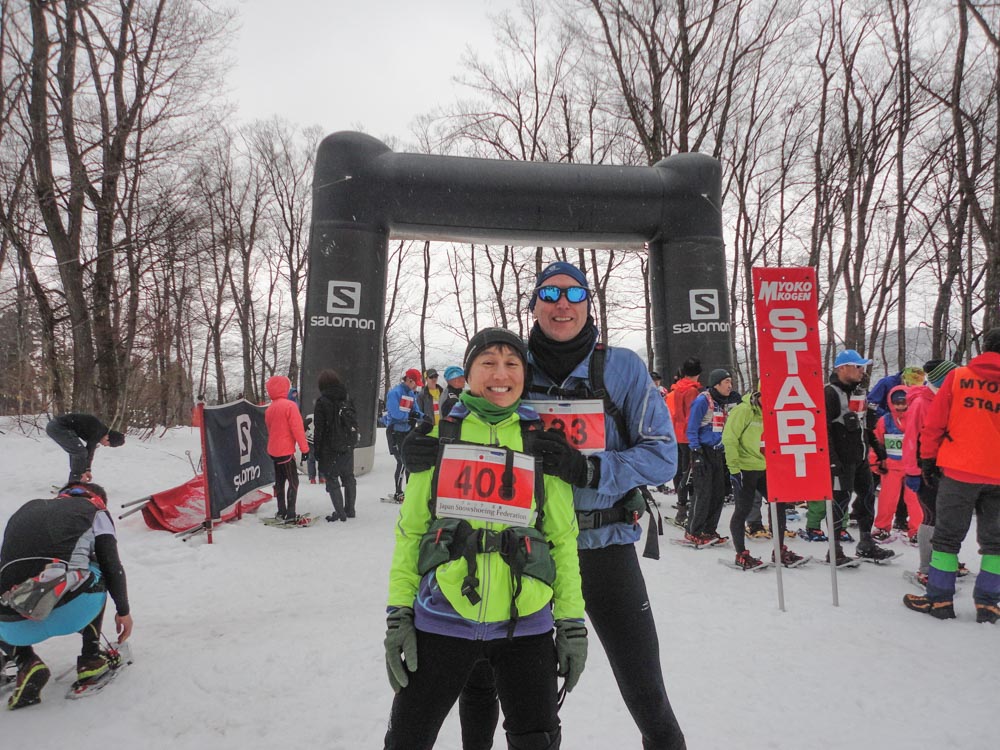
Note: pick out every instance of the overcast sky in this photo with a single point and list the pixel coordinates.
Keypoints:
(341, 64)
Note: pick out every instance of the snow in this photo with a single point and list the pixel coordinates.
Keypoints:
(273, 637)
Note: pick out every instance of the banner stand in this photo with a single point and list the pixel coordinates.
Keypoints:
(832, 538)
(778, 543)
(204, 474)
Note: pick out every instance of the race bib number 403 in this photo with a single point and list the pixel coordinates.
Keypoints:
(582, 422)
(470, 484)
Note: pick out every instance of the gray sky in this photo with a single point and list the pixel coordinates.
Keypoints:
(344, 63)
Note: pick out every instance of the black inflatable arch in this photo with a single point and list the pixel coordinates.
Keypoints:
(364, 195)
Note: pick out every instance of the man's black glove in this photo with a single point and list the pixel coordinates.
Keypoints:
(419, 451)
(563, 460)
(929, 471)
(697, 461)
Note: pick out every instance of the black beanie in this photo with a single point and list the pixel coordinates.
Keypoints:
(691, 367)
(488, 337)
(115, 438)
(717, 376)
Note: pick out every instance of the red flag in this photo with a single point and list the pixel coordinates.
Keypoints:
(792, 380)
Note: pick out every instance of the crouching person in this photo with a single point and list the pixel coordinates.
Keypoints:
(58, 562)
(485, 566)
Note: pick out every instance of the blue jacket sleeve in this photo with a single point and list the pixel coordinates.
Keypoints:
(698, 410)
(651, 456)
(396, 415)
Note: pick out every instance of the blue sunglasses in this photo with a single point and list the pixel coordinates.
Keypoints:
(573, 294)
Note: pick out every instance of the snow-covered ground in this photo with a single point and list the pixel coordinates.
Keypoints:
(273, 638)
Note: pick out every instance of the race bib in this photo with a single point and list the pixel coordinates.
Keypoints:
(894, 446)
(718, 421)
(858, 402)
(405, 404)
(582, 422)
(470, 485)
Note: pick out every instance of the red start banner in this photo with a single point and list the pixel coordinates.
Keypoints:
(792, 381)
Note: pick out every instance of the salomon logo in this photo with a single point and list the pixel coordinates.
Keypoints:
(343, 297)
(704, 304)
(243, 437)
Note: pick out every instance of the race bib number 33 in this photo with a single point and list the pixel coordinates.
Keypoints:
(470, 485)
(582, 422)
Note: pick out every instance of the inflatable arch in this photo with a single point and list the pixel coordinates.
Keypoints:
(364, 194)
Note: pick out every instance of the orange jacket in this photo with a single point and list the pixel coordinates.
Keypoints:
(283, 419)
(684, 392)
(962, 431)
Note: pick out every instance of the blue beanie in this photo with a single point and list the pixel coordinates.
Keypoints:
(556, 269)
(453, 372)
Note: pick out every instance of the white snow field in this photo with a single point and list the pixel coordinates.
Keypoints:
(273, 637)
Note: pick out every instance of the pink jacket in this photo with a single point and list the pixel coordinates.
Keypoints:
(919, 401)
(284, 422)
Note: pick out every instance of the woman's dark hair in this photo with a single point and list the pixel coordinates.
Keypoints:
(328, 379)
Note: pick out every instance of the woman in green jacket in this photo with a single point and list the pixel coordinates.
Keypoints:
(743, 440)
(485, 565)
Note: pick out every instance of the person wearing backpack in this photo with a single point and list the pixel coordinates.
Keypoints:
(335, 435)
(485, 568)
(75, 533)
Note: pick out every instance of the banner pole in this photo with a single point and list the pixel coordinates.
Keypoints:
(775, 536)
(832, 539)
(204, 474)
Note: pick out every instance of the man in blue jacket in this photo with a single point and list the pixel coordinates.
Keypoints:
(401, 413)
(708, 459)
(640, 449)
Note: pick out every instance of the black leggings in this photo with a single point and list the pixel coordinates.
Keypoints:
(285, 471)
(395, 440)
(525, 669)
(746, 485)
(619, 612)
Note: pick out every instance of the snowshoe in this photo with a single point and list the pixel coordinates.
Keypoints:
(746, 561)
(90, 667)
(918, 579)
(962, 571)
(844, 536)
(941, 610)
(758, 532)
(987, 613)
(883, 536)
(871, 551)
(812, 535)
(789, 559)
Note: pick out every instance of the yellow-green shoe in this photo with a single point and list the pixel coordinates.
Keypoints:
(89, 667)
(30, 680)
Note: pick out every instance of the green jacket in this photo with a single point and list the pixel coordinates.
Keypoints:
(742, 438)
(496, 586)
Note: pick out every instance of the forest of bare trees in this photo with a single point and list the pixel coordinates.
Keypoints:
(154, 247)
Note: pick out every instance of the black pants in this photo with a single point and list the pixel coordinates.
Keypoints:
(928, 500)
(69, 441)
(709, 492)
(525, 670)
(286, 472)
(340, 473)
(682, 479)
(395, 440)
(746, 486)
(859, 479)
(619, 612)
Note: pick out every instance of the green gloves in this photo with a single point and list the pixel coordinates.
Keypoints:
(401, 647)
(571, 650)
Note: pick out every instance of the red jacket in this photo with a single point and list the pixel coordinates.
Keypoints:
(962, 432)
(284, 421)
(684, 392)
(919, 400)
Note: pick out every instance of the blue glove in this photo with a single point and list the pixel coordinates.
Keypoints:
(913, 483)
(400, 647)
(571, 650)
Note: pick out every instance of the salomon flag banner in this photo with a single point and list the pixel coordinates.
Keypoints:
(791, 367)
(236, 460)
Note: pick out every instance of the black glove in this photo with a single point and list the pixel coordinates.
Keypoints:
(563, 460)
(419, 451)
(634, 504)
(929, 471)
(305, 458)
(697, 460)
